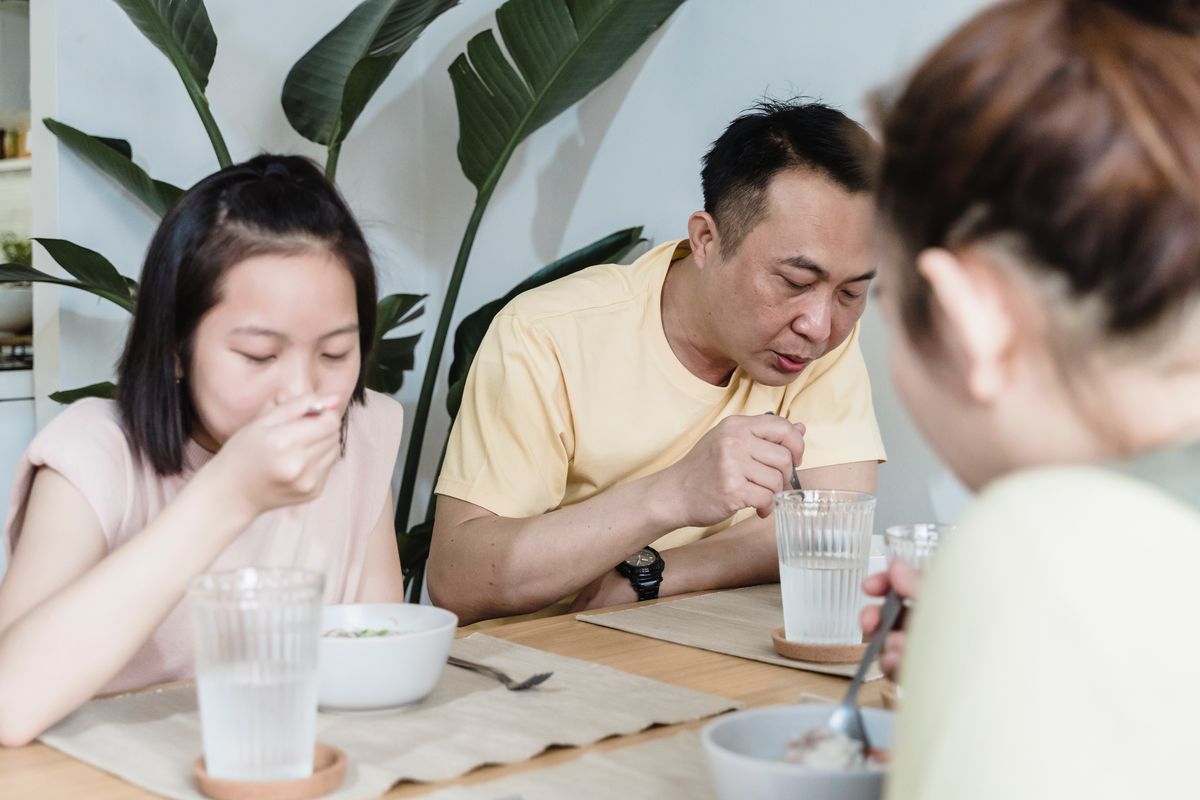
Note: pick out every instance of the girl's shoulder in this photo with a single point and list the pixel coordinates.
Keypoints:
(1068, 515)
(89, 429)
(373, 431)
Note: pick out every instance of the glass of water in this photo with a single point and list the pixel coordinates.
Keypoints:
(824, 539)
(257, 633)
(915, 543)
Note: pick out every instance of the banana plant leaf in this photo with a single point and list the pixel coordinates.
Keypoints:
(182, 31)
(106, 390)
(330, 85)
(560, 51)
(93, 272)
(114, 158)
(414, 544)
(391, 358)
(469, 333)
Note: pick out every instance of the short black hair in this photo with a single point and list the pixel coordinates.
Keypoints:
(773, 136)
(270, 204)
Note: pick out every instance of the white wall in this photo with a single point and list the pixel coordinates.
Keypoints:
(629, 154)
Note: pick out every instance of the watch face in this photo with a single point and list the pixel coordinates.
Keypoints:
(642, 558)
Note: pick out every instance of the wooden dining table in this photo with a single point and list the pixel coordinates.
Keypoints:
(39, 771)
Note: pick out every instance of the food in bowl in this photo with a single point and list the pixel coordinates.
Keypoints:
(824, 748)
(746, 754)
(382, 655)
(365, 633)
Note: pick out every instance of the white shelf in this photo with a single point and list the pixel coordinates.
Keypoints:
(15, 164)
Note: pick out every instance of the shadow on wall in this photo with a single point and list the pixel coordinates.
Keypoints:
(560, 182)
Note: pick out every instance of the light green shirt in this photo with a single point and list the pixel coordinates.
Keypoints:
(1055, 648)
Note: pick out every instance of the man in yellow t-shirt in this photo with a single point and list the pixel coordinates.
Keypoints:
(643, 417)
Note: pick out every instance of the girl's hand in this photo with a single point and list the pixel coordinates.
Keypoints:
(908, 583)
(283, 457)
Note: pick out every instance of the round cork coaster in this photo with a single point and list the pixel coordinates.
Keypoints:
(817, 653)
(329, 767)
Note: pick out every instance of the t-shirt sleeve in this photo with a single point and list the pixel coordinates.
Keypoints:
(512, 442)
(836, 409)
(86, 445)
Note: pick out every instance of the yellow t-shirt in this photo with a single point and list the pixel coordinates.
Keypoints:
(575, 389)
(1053, 652)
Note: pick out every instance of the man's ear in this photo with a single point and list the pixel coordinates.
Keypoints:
(972, 296)
(703, 237)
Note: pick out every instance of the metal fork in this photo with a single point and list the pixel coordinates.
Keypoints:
(492, 672)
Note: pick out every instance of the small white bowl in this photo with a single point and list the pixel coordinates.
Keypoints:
(383, 671)
(745, 754)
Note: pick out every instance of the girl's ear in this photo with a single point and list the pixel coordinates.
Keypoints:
(971, 295)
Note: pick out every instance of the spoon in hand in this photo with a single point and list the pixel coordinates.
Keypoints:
(846, 719)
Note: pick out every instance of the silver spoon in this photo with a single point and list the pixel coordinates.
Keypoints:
(795, 478)
(846, 719)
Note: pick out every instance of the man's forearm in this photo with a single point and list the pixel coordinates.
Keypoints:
(484, 565)
(743, 555)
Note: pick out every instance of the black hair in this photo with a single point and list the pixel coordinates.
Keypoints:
(771, 137)
(270, 204)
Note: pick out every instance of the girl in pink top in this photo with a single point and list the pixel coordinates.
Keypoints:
(241, 435)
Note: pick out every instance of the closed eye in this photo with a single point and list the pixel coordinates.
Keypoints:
(257, 359)
(336, 356)
(799, 287)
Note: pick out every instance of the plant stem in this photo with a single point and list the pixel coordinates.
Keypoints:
(210, 124)
(412, 458)
(331, 162)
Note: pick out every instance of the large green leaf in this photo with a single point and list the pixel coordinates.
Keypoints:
(106, 390)
(390, 359)
(469, 333)
(113, 157)
(396, 310)
(93, 272)
(560, 49)
(183, 32)
(330, 85)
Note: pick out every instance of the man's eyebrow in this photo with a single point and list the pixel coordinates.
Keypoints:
(804, 262)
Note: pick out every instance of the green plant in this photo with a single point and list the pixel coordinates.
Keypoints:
(16, 249)
(468, 336)
(341, 71)
(558, 51)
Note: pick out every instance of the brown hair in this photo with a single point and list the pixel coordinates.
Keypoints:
(1070, 127)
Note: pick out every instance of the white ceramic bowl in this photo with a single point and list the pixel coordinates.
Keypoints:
(383, 671)
(745, 753)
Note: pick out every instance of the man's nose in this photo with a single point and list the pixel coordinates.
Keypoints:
(816, 320)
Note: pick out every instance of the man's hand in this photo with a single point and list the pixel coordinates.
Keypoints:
(908, 583)
(740, 463)
(610, 589)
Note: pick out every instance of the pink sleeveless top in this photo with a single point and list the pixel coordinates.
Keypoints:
(86, 444)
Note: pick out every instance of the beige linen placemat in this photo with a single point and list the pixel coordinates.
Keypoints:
(150, 739)
(670, 768)
(737, 622)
